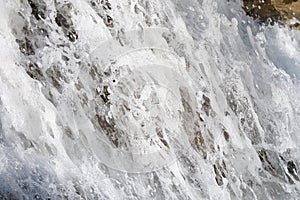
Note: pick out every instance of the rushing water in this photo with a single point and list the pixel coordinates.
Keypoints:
(158, 99)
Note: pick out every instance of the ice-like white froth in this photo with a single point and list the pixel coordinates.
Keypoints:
(173, 99)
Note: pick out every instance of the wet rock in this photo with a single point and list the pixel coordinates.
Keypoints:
(161, 137)
(38, 9)
(270, 11)
(272, 163)
(104, 94)
(292, 169)
(63, 20)
(25, 46)
(103, 9)
(34, 71)
(264, 11)
(226, 135)
(218, 176)
(206, 107)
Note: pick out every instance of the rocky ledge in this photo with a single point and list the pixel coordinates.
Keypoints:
(270, 11)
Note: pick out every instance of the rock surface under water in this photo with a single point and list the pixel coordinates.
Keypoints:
(153, 99)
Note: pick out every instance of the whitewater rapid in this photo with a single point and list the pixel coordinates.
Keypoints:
(173, 99)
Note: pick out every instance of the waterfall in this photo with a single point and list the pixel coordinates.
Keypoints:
(152, 99)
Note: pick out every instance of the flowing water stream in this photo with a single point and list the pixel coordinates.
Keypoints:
(153, 99)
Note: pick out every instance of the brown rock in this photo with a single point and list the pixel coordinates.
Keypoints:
(274, 11)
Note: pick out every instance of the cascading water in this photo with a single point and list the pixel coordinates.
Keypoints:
(174, 99)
